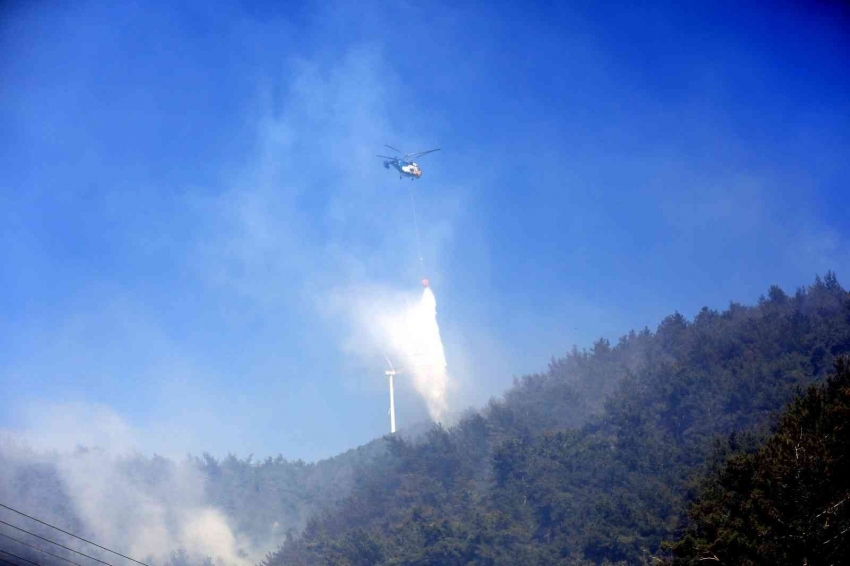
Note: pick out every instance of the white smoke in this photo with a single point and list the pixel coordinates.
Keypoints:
(146, 508)
(404, 328)
(152, 519)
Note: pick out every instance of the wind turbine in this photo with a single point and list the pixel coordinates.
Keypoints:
(391, 373)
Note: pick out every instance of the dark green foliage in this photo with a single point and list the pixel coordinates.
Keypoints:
(594, 461)
(264, 499)
(787, 503)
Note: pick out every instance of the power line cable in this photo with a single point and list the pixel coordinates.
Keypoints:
(56, 543)
(19, 558)
(7, 562)
(40, 549)
(73, 535)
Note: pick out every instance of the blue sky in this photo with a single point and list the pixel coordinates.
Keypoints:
(194, 232)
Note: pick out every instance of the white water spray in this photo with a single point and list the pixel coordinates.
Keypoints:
(416, 339)
(404, 328)
(426, 358)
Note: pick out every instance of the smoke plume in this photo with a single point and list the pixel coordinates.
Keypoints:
(148, 508)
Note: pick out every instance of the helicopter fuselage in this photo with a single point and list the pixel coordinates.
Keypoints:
(405, 168)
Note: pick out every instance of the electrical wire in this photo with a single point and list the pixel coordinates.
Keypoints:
(73, 535)
(40, 549)
(56, 543)
(19, 558)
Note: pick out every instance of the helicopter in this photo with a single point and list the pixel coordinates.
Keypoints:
(404, 164)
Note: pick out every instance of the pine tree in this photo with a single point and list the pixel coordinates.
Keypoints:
(787, 503)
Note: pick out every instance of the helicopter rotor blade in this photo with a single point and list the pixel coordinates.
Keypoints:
(394, 149)
(420, 153)
(387, 157)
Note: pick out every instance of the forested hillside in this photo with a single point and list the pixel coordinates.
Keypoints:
(265, 499)
(788, 502)
(259, 500)
(594, 461)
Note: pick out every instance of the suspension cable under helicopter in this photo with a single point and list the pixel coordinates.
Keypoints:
(416, 227)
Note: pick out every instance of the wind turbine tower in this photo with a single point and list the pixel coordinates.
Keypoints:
(391, 373)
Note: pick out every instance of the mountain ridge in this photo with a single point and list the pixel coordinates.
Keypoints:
(594, 461)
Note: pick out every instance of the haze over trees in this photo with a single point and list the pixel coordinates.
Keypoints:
(596, 460)
(145, 506)
(666, 444)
